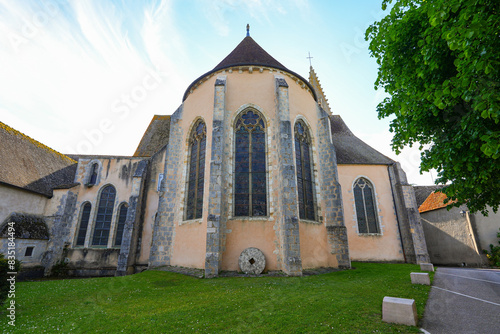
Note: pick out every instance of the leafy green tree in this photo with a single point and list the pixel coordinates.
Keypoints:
(439, 60)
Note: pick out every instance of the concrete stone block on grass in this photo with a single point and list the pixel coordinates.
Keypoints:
(426, 267)
(420, 278)
(399, 311)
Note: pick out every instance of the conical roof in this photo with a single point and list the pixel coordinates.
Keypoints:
(248, 52)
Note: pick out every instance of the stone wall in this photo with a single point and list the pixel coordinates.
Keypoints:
(287, 221)
(216, 221)
(486, 228)
(164, 230)
(450, 238)
(412, 233)
(333, 217)
(385, 245)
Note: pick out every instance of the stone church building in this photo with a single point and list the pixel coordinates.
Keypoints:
(252, 158)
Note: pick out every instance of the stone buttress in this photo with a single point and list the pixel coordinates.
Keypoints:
(164, 228)
(216, 204)
(331, 193)
(287, 220)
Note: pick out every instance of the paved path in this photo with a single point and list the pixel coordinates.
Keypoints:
(463, 301)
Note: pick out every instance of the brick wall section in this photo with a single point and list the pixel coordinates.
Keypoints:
(164, 229)
(131, 231)
(333, 214)
(287, 221)
(216, 221)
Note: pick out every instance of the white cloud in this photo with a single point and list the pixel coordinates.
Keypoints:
(62, 82)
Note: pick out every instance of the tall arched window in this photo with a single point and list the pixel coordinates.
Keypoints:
(250, 185)
(366, 207)
(84, 223)
(304, 171)
(104, 216)
(120, 225)
(196, 176)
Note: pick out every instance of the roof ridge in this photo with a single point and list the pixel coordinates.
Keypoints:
(35, 142)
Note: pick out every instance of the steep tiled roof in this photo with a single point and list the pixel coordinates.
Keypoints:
(434, 201)
(249, 53)
(28, 164)
(352, 150)
(422, 192)
(155, 137)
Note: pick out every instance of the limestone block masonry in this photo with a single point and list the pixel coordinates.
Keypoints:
(216, 190)
(288, 222)
(420, 278)
(332, 194)
(130, 234)
(399, 311)
(426, 267)
(164, 229)
(411, 230)
(60, 231)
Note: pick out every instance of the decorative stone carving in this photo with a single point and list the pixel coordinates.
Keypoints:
(252, 261)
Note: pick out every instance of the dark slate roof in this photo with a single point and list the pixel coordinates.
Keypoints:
(28, 164)
(249, 53)
(352, 150)
(155, 137)
(422, 192)
(27, 227)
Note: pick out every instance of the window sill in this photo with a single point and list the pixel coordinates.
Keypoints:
(313, 222)
(259, 218)
(191, 221)
(370, 234)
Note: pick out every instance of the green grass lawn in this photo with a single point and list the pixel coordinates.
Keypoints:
(347, 301)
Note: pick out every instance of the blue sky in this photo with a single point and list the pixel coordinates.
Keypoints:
(87, 76)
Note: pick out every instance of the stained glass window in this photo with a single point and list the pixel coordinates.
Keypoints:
(104, 216)
(365, 206)
(84, 223)
(196, 171)
(122, 217)
(303, 164)
(250, 182)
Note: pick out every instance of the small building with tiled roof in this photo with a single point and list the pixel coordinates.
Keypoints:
(422, 192)
(434, 201)
(253, 172)
(454, 235)
(33, 178)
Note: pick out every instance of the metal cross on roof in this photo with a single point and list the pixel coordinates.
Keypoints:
(310, 64)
